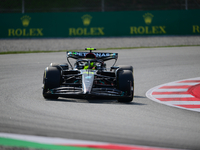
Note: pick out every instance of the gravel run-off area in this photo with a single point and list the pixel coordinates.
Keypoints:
(54, 44)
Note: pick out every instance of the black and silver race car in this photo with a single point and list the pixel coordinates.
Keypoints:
(89, 78)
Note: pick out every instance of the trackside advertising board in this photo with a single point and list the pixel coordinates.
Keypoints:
(99, 24)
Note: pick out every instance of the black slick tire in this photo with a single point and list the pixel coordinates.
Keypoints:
(126, 84)
(51, 79)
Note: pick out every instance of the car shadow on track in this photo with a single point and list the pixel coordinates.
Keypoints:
(97, 101)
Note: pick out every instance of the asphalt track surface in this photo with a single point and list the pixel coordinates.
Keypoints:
(143, 122)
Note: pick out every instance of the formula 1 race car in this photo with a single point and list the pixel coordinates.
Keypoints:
(89, 78)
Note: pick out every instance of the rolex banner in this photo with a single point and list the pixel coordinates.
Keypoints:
(99, 24)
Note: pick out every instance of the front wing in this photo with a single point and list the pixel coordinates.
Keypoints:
(68, 92)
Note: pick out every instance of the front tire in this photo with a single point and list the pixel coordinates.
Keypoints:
(126, 84)
(51, 80)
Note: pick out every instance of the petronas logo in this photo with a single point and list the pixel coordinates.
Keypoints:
(86, 19)
(148, 18)
(25, 20)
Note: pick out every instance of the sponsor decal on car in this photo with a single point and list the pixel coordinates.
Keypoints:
(83, 54)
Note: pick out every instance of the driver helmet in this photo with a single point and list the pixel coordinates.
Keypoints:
(92, 64)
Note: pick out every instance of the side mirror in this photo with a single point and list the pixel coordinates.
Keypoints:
(113, 68)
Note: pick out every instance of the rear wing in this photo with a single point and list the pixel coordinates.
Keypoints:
(99, 55)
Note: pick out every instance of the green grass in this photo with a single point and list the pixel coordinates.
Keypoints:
(20, 144)
(112, 48)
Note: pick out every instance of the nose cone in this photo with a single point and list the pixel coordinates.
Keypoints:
(87, 80)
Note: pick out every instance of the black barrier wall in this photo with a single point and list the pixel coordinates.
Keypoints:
(100, 24)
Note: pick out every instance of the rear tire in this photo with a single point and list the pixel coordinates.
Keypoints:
(126, 84)
(51, 79)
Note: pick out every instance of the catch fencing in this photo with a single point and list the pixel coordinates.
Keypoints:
(29, 6)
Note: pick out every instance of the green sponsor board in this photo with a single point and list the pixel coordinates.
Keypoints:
(100, 24)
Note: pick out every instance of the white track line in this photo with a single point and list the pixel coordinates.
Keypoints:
(173, 96)
(171, 90)
(183, 102)
(181, 84)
